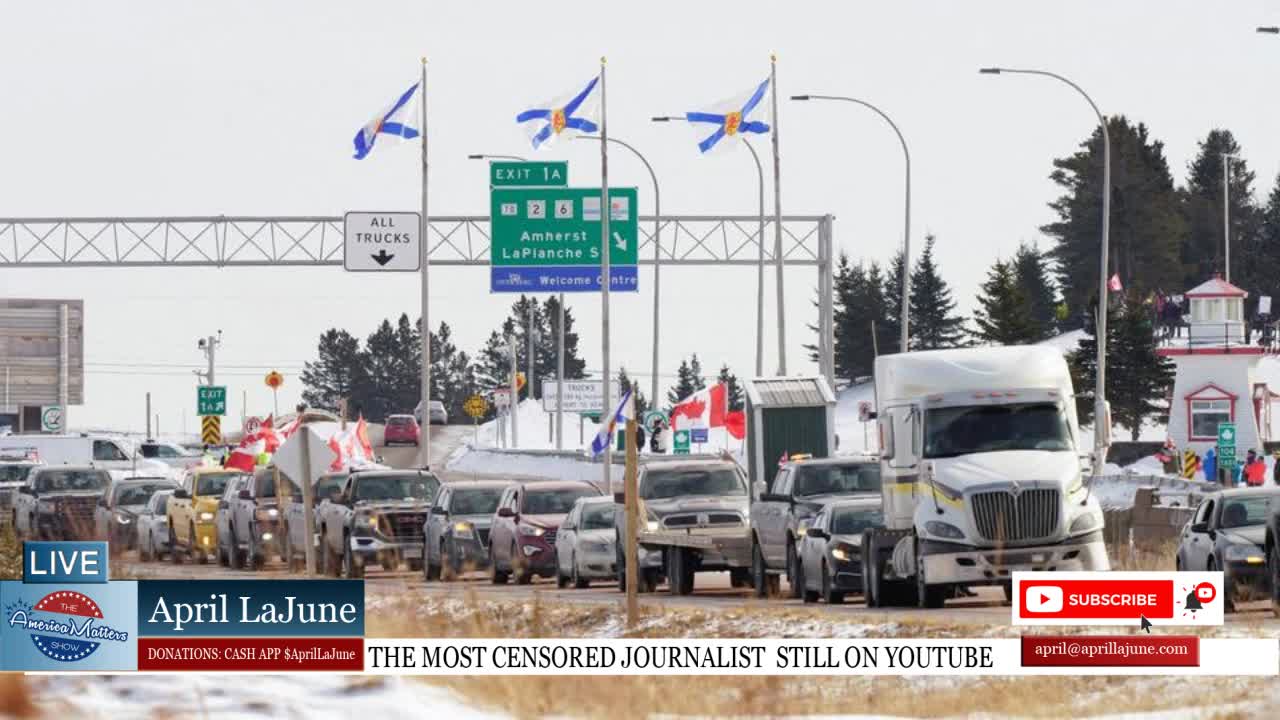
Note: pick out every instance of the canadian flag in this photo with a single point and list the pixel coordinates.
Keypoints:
(705, 408)
(1114, 283)
(245, 457)
(351, 448)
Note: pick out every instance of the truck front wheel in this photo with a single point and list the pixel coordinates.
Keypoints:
(763, 584)
(928, 596)
(679, 571)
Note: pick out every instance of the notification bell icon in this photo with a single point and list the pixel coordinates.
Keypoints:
(1193, 602)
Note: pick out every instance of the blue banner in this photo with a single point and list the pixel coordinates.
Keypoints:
(561, 278)
(251, 608)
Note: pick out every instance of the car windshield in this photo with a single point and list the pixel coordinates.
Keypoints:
(597, 516)
(1243, 512)
(553, 502)
(476, 501)
(160, 503)
(213, 483)
(399, 420)
(396, 487)
(953, 431)
(137, 494)
(852, 521)
(64, 480)
(829, 479)
(14, 473)
(663, 484)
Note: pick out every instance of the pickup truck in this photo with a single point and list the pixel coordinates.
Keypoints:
(118, 510)
(327, 487)
(696, 513)
(191, 512)
(59, 501)
(379, 518)
(14, 470)
(253, 528)
(802, 487)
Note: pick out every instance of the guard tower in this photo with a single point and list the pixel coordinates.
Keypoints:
(1217, 373)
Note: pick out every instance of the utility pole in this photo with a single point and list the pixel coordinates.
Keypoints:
(149, 435)
(1226, 214)
(209, 345)
(514, 405)
(530, 337)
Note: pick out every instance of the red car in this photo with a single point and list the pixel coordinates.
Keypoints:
(402, 429)
(522, 539)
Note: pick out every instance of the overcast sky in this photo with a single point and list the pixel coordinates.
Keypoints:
(248, 108)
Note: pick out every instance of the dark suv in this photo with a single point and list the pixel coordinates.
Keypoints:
(522, 540)
(59, 501)
(800, 490)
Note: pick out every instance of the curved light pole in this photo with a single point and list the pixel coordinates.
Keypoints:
(1101, 414)
(657, 251)
(760, 262)
(906, 232)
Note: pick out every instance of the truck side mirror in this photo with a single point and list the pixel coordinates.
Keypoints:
(245, 495)
(27, 490)
(818, 533)
(886, 440)
(182, 494)
(506, 512)
(761, 489)
(1102, 424)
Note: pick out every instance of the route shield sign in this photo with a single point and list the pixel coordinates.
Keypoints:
(211, 400)
(1227, 445)
(547, 239)
(680, 442)
(382, 241)
(52, 419)
(529, 174)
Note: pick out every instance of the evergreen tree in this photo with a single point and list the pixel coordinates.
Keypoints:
(1031, 269)
(735, 398)
(695, 371)
(1147, 229)
(859, 305)
(625, 381)
(890, 339)
(383, 357)
(1138, 380)
(934, 324)
(1003, 316)
(574, 365)
(447, 374)
(337, 372)
(1203, 248)
(1261, 256)
(407, 365)
(688, 381)
(494, 364)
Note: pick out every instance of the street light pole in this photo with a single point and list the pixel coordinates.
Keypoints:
(1101, 416)
(657, 253)
(1226, 214)
(906, 232)
(760, 259)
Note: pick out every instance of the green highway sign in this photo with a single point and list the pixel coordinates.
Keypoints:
(211, 400)
(1227, 446)
(548, 239)
(680, 442)
(528, 174)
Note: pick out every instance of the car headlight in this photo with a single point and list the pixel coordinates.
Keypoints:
(1250, 554)
(1086, 521)
(266, 514)
(938, 528)
(463, 530)
(530, 530)
(206, 517)
(123, 519)
(843, 553)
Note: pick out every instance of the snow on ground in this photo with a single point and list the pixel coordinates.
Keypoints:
(228, 697)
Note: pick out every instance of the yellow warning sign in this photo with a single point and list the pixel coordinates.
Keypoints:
(211, 430)
(1190, 464)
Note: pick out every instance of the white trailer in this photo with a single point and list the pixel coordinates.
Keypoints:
(984, 468)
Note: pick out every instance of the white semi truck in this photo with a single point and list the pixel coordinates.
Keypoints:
(984, 473)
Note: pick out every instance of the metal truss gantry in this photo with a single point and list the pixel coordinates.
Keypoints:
(234, 241)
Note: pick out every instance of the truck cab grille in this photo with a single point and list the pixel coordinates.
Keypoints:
(1004, 516)
(402, 526)
(717, 519)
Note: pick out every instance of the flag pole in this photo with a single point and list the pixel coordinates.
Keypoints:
(425, 459)
(632, 509)
(777, 218)
(605, 273)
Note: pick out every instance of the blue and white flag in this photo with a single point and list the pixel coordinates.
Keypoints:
(566, 115)
(728, 120)
(626, 411)
(400, 118)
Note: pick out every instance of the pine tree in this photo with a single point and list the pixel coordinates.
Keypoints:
(1203, 248)
(934, 324)
(337, 372)
(890, 339)
(688, 381)
(1003, 316)
(407, 364)
(1260, 259)
(1147, 229)
(1138, 380)
(574, 365)
(382, 353)
(695, 371)
(641, 402)
(1031, 269)
(734, 396)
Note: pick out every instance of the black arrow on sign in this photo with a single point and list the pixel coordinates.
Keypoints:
(1146, 624)
(382, 258)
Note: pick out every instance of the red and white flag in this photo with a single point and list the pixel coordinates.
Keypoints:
(1114, 283)
(705, 408)
(245, 457)
(351, 447)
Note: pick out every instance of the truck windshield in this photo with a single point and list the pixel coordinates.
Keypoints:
(14, 473)
(69, 480)
(952, 431)
(396, 487)
(213, 483)
(837, 479)
(597, 516)
(664, 484)
(478, 501)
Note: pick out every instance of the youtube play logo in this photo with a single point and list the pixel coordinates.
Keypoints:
(1043, 599)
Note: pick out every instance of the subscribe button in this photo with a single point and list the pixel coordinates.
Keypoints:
(1117, 598)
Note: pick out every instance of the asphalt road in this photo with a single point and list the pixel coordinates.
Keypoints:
(711, 589)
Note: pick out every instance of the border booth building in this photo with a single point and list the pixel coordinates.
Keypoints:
(787, 416)
(1217, 379)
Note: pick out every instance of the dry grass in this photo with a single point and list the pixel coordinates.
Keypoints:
(1143, 557)
(10, 554)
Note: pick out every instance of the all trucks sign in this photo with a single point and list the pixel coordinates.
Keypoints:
(382, 241)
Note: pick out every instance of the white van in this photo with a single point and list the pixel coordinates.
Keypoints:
(101, 451)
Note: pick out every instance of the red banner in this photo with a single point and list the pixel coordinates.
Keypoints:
(1110, 651)
(251, 654)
